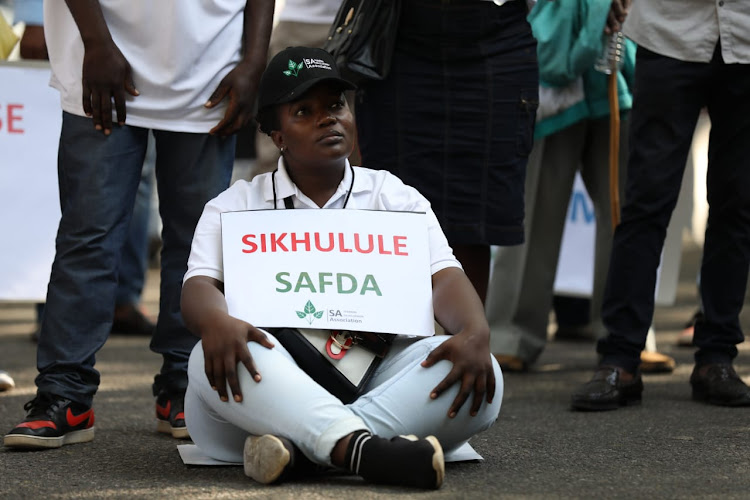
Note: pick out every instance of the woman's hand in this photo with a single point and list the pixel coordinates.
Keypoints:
(472, 369)
(224, 337)
(224, 346)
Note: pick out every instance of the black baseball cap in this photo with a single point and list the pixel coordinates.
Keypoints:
(293, 71)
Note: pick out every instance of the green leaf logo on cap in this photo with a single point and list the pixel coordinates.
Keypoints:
(293, 68)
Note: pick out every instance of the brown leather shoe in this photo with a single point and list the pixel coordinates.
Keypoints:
(130, 320)
(510, 363)
(656, 362)
(719, 384)
(607, 390)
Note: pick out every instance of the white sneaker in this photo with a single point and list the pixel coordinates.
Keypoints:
(267, 457)
(6, 382)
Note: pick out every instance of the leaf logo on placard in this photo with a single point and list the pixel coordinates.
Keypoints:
(309, 313)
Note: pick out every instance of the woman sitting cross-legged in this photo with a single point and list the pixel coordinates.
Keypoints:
(247, 398)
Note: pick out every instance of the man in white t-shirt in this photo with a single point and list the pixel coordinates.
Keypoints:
(188, 72)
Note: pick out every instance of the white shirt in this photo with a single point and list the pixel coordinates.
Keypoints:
(179, 51)
(372, 190)
(688, 30)
(310, 11)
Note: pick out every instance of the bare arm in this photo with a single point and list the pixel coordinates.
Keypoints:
(460, 312)
(224, 337)
(241, 84)
(33, 45)
(106, 74)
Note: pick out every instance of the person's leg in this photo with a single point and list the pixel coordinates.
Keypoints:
(134, 259)
(507, 277)
(98, 178)
(475, 260)
(286, 403)
(595, 174)
(668, 98)
(287, 415)
(573, 317)
(596, 178)
(726, 251)
(559, 164)
(398, 401)
(128, 317)
(191, 169)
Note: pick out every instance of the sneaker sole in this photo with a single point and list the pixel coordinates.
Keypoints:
(176, 432)
(265, 458)
(39, 442)
(438, 458)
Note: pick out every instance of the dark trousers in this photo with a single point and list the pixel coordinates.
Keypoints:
(669, 95)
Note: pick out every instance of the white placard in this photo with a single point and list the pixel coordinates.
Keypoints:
(355, 270)
(575, 268)
(30, 120)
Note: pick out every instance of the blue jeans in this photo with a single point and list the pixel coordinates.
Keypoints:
(669, 95)
(98, 177)
(289, 403)
(134, 257)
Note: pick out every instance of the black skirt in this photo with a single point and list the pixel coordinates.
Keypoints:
(455, 116)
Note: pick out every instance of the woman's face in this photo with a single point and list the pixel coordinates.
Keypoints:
(316, 129)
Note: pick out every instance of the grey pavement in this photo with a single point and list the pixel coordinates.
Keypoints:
(669, 447)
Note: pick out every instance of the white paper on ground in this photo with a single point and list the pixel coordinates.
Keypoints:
(192, 455)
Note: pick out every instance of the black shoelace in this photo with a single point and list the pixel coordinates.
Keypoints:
(43, 405)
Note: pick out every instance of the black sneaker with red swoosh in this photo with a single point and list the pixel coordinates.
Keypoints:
(51, 422)
(170, 414)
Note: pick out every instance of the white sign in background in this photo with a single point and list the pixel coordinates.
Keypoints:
(575, 267)
(30, 120)
(329, 289)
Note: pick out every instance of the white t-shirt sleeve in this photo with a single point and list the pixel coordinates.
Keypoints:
(206, 257)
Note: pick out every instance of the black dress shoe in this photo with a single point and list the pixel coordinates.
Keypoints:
(719, 384)
(607, 391)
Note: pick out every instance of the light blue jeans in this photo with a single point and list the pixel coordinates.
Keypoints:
(288, 403)
(98, 177)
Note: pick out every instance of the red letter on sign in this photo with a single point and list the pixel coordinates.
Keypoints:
(14, 118)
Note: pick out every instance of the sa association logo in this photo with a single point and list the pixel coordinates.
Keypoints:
(309, 313)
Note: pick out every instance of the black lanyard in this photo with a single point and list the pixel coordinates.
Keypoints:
(288, 200)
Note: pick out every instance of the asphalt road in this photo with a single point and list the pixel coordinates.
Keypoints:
(669, 447)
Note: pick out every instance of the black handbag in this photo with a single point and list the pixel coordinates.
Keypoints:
(344, 370)
(362, 38)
